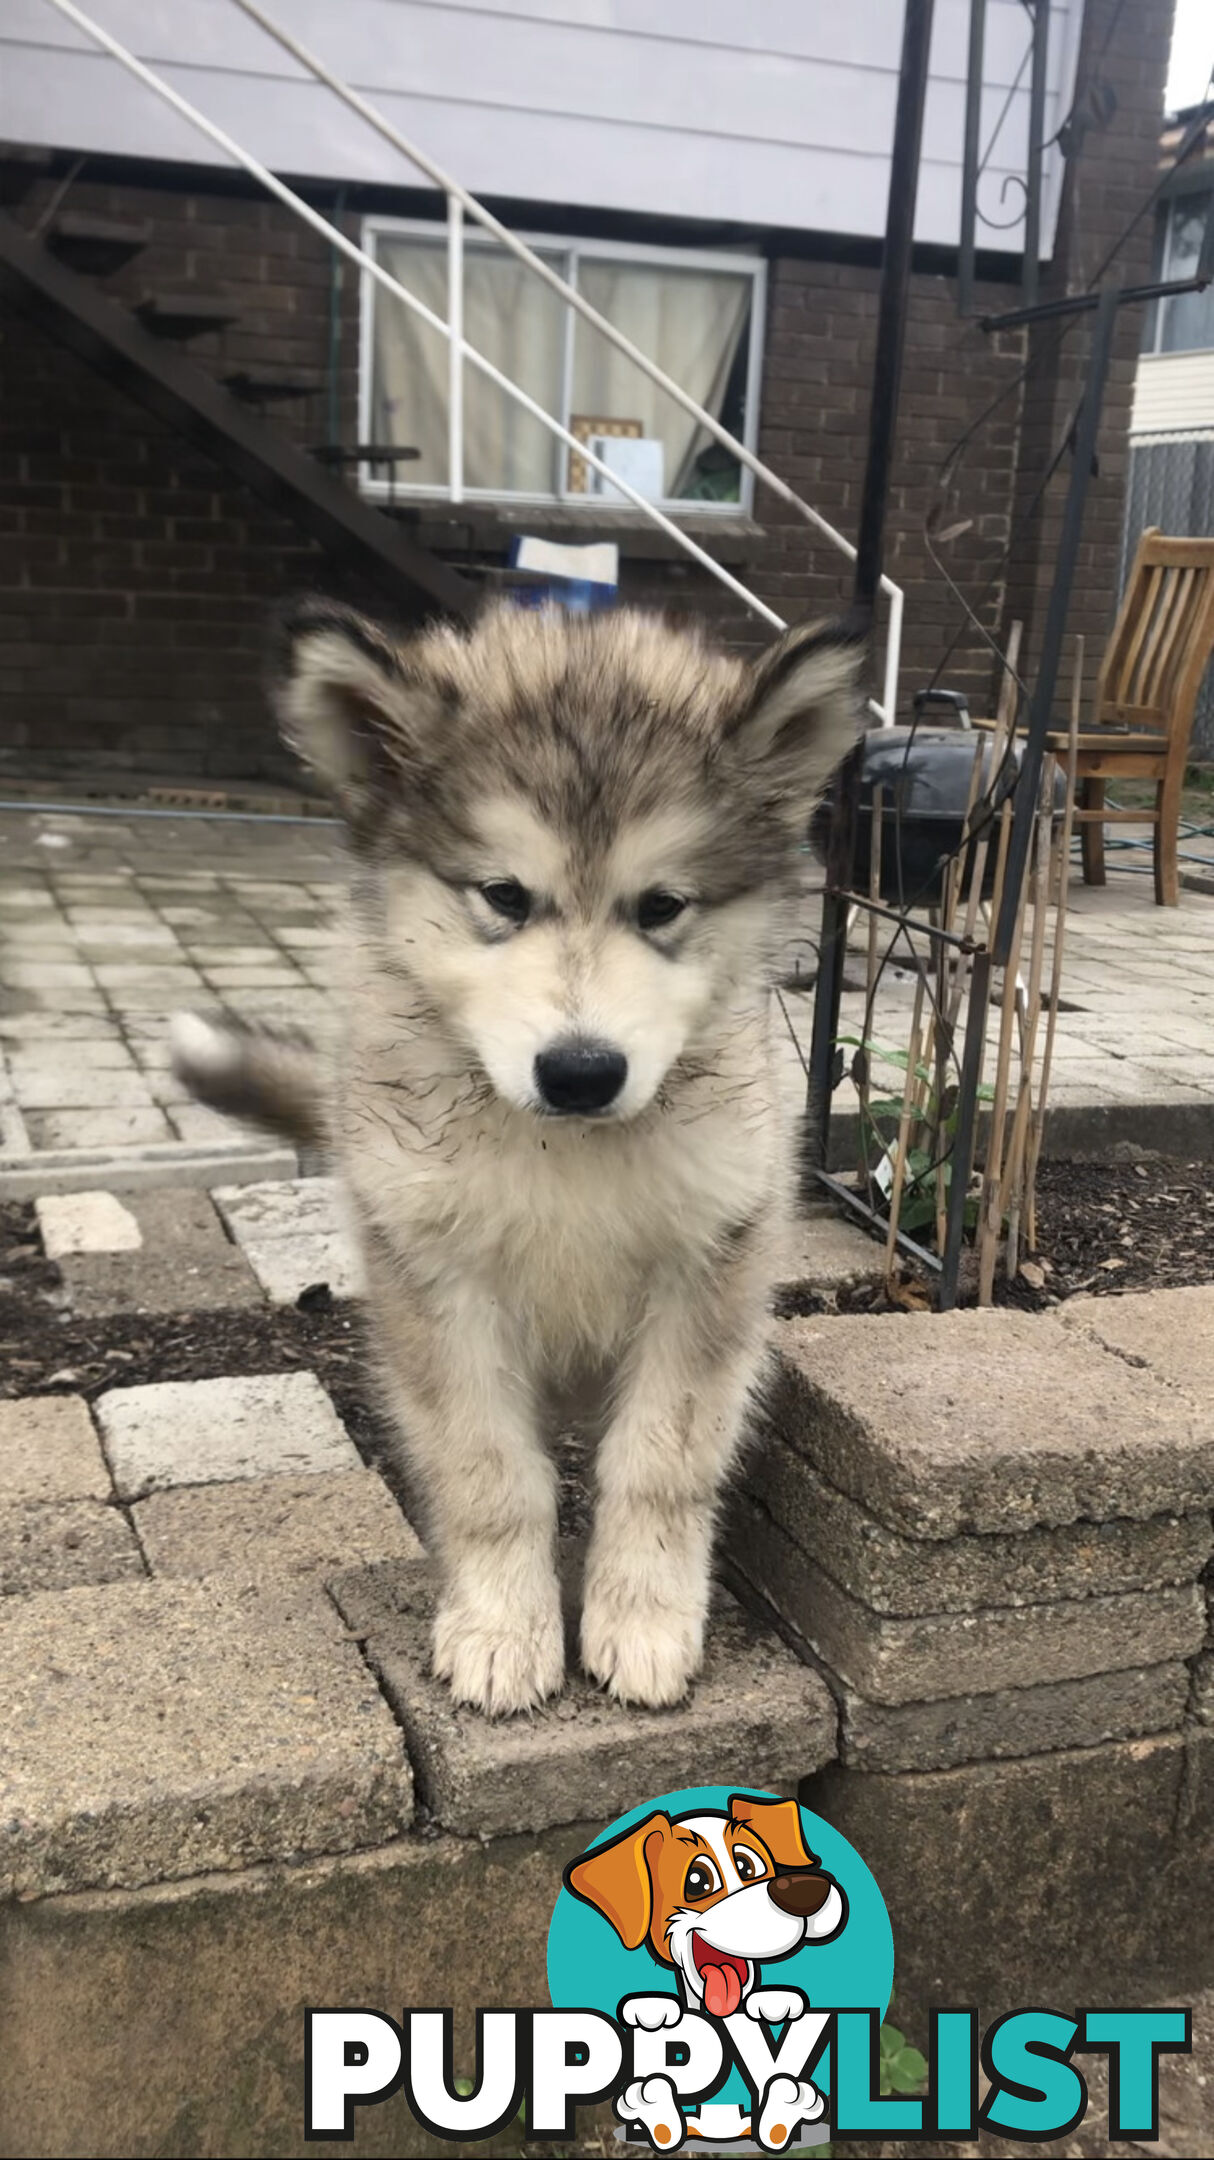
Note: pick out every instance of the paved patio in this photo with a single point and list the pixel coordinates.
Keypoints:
(109, 924)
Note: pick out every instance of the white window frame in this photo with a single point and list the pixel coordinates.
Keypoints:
(572, 251)
(1166, 272)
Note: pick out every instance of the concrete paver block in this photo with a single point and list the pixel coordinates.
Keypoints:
(172, 975)
(204, 1127)
(285, 1266)
(60, 1544)
(184, 1262)
(1089, 1864)
(755, 1715)
(140, 1169)
(72, 1086)
(203, 1432)
(49, 1451)
(99, 1128)
(1169, 1333)
(1013, 1721)
(941, 1654)
(275, 1526)
(292, 1234)
(280, 1208)
(154, 1730)
(93, 1053)
(825, 1251)
(253, 978)
(85, 1222)
(986, 1421)
(46, 975)
(43, 1028)
(135, 2012)
(903, 1576)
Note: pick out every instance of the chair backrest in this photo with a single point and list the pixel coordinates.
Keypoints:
(1163, 637)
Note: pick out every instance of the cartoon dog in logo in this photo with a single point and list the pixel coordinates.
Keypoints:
(715, 1896)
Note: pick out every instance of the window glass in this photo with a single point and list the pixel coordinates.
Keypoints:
(695, 324)
(1188, 319)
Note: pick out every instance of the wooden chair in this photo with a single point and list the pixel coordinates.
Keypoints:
(1145, 698)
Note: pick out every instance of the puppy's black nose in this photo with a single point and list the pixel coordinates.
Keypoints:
(577, 1077)
(801, 1891)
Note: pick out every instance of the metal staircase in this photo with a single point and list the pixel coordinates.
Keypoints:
(52, 278)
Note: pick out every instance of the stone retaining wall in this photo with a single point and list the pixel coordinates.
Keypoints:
(990, 1534)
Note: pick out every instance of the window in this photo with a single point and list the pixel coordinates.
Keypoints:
(699, 316)
(1185, 323)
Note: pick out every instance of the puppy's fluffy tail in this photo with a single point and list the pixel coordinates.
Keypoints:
(267, 1077)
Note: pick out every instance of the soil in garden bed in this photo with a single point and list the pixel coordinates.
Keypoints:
(1107, 1227)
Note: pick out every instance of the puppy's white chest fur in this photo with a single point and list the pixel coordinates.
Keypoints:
(570, 1226)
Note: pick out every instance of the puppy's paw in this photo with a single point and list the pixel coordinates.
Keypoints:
(651, 2102)
(775, 2006)
(787, 2103)
(641, 1653)
(496, 1664)
(651, 2012)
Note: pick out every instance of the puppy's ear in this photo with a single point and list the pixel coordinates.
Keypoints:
(350, 700)
(799, 716)
(778, 1824)
(616, 1879)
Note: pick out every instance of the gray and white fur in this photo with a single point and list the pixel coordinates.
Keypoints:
(554, 1102)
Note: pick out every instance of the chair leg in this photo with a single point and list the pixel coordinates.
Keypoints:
(1167, 826)
(1091, 833)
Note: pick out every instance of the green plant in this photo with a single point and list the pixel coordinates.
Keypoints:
(903, 2068)
(928, 1173)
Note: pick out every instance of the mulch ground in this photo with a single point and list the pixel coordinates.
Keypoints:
(1106, 1228)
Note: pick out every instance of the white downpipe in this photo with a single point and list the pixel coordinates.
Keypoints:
(349, 248)
(888, 708)
(455, 348)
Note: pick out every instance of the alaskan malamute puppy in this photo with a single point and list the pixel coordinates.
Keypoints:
(555, 1106)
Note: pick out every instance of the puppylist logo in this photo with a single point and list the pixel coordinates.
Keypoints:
(720, 1963)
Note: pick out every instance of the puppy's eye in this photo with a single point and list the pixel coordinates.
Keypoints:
(702, 1880)
(657, 907)
(749, 1867)
(508, 899)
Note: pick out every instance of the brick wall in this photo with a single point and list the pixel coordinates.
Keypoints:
(136, 576)
(815, 427)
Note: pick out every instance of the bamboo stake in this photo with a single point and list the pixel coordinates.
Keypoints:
(895, 1193)
(943, 1035)
(1064, 870)
(1010, 1193)
(876, 825)
(989, 1216)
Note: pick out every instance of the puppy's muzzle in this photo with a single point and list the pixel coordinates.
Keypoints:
(801, 1891)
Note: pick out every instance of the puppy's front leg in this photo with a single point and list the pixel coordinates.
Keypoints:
(661, 1463)
(458, 1392)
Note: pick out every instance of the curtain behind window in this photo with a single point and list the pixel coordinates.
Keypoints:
(690, 321)
(512, 319)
